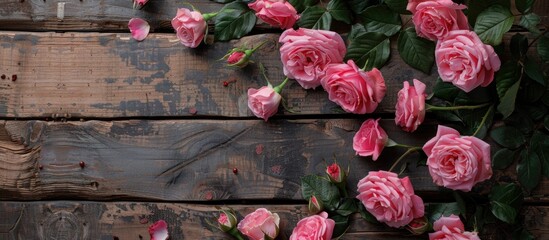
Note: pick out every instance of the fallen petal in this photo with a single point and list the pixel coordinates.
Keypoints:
(139, 28)
(159, 230)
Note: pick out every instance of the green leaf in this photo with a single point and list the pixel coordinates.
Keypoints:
(536, 112)
(347, 206)
(356, 30)
(507, 102)
(341, 225)
(398, 6)
(381, 19)
(473, 122)
(340, 11)
(543, 48)
(546, 123)
(460, 202)
(366, 215)
(503, 158)
(503, 212)
(529, 170)
(530, 21)
(521, 121)
(507, 85)
(234, 21)
(315, 17)
(492, 23)
(522, 234)
(510, 194)
(322, 188)
(509, 137)
(533, 70)
(416, 51)
(540, 145)
(358, 6)
(475, 7)
(372, 47)
(445, 90)
(530, 90)
(519, 46)
(437, 210)
(524, 6)
(301, 5)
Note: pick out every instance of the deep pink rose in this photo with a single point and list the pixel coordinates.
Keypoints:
(235, 57)
(263, 102)
(370, 139)
(451, 228)
(412, 4)
(277, 13)
(390, 199)
(190, 27)
(434, 19)
(306, 53)
(465, 61)
(259, 224)
(457, 162)
(335, 174)
(410, 107)
(355, 90)
(316, 227)
(159, 230)
(139, 28)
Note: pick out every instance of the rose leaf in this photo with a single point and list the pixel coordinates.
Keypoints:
(492, 23)
(322, 188)
(301, 5)
(543, 48)
(524, 6)
(507, 136)
(529, 170)
(503, 158)
(315, 17)
(507, 85)
(371, 49)
(381, 19)
(234, 21)
(340, 11)
(398, 6)
(530, 21)
(503, 212)
(416, 51)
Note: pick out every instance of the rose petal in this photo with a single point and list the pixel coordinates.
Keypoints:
(139, 28)
(159, 230)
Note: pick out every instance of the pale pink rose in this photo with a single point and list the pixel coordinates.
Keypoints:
(410, 107)
(159, 230)
(451, 228)
(306, 53)
(263, 102)
(277, 13)
(457, 162)
(434, 19)
(465, 61)
(259, 224)
(370, 139)
(139, 28)
(190, 27)
(355, 90)
(390, 199)
(316, 227)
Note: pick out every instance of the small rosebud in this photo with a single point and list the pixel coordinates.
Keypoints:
(238, 57)
(227, 221)
(418, 226)
(315, 206)
(335, 173)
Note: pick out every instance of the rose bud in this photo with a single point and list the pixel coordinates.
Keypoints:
(370, 139)
(159, 230)
(418, 226)
(261, 224)
(264, 102)
(315, 206)
(227, 221)
(138, 4)
(240, 57)
(335, 174)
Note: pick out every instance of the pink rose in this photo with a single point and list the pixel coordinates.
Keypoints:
(263, 102)
(159, 230)
(390, 199)
(434, 19)
(235, 57)
(277, 13)
(370, 139)
(451, 228)
(139, 3)
(355, 90)
(410, 107)
(412, 4)
(259, 224)
(465, 61)
(227, 221)
(139, 28)
(190, 27)
(306, 53)
(335, 174)
(316, 227)
(457, 162)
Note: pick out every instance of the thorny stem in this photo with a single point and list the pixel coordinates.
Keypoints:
(437, 108)
(410, 150)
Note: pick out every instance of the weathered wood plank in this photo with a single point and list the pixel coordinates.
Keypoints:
(113, 15)
(91, 75)
(130, 220)
(193, 159)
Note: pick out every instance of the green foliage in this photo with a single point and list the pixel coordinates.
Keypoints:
(507, 136)
(416, 51)
(315, 17)
(503, 158)
(370, 47)
(341, 225)
(492, 23)
(533, 70)
(398, 6)
(507, 86)
(301, 5)
(518, 46)
(340, 11)
(524, 6)
(381, 19)
(356, 30)
(322, 188)
(475, 7)
(543, 48)
(366, 215)
(505, 201)
(529, 169)
(234, 21)
(530, 21)
(437, 210)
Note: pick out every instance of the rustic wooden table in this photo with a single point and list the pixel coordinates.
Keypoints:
(102, 135)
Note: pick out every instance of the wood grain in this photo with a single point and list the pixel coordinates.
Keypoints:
(106, 75)
(193, 160)
(130, 220)
(113, 15)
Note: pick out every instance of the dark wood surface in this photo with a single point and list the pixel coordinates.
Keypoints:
(130, 220)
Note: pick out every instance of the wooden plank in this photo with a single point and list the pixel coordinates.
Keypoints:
(113, 15)
(194, 159)
(130, 220)
(92, 75)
